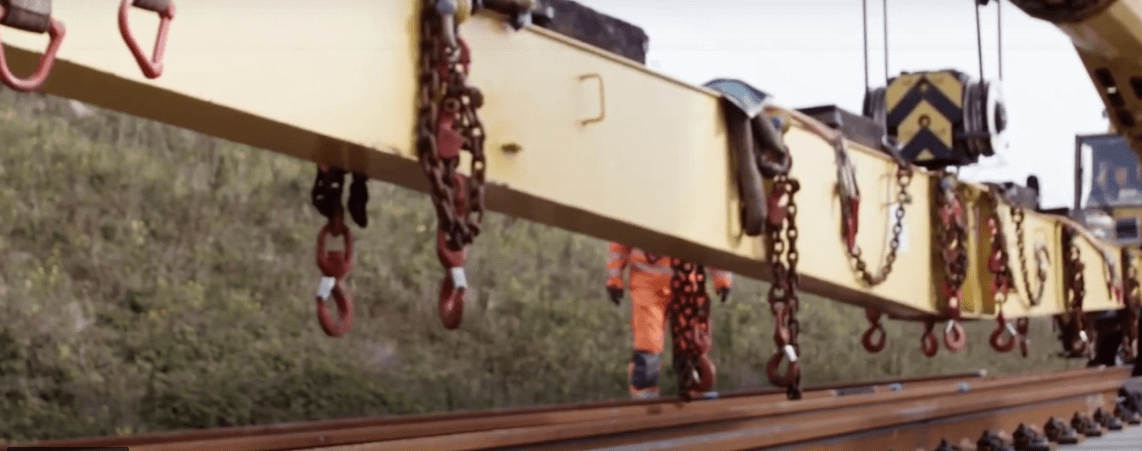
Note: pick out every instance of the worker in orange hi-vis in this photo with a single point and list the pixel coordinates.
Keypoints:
(650, 292)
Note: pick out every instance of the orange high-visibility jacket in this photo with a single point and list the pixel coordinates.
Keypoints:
(648, 270)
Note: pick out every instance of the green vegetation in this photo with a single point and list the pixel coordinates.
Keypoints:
(155, 279)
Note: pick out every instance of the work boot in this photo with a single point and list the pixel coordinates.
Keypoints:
(1027, 439)
(991, 442)
(1057, 431)
(1107, 420)
(945, 446)
(1085, 426)
(1125, 414)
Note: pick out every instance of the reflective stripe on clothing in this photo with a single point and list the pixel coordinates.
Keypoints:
(620, 256)
(651, 269)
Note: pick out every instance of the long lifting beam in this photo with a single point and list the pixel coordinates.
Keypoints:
(578, 138)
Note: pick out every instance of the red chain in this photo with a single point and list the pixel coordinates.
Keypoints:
(783, 299)
(689, 313)
(953, 240)
(335, 266)
(1004, 337)
(1076, 289)
(1132, 297)
(448, 124)
(450, 303)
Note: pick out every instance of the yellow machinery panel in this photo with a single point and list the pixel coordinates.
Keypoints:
(921, 108)
(577, 138)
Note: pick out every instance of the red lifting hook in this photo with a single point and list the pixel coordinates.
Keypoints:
(928, 343)
(152, 67)
(706, 375)
(874, 338)
(954, 336)
(997, 341)
(56, 32)
(452, 287)
(450, 303)
(773, 367)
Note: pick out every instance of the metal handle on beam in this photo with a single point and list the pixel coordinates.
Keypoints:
(602, 99)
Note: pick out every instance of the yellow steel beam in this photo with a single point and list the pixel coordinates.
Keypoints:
(578, 138)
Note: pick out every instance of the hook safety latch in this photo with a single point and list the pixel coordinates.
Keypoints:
(954, 336)
(34, 17)
(152, 67)
(1005, 337)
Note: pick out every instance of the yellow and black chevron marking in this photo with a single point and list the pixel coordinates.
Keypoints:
(924, 110)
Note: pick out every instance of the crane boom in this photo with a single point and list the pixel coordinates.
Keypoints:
(1107, 34)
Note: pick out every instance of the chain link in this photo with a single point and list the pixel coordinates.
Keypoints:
(998, 263)
(689, 313)
(447, 122)
(953, 239)
(1076, 290)
(1110, 272)
(999, 267)
(783, 299)
(1041, 273)
(1133, 300)
(903, 180)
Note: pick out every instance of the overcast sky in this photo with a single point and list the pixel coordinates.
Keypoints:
(809, 52)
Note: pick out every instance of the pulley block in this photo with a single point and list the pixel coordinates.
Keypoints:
(940, 118)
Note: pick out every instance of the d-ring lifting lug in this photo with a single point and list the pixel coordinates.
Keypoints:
(33, 16)
(152, 67)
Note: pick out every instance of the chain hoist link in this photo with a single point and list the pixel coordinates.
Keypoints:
(903, 180)
(689, 313)
(783, 298)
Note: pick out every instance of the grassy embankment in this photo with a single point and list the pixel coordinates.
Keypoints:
(155, 279)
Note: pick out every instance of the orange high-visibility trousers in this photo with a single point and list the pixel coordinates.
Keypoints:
(650, 297)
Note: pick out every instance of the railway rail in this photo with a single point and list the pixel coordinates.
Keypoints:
(900, 414)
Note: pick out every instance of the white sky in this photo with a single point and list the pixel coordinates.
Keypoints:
(810, 52)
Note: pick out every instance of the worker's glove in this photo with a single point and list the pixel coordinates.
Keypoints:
(616, 294)
(724, 293)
